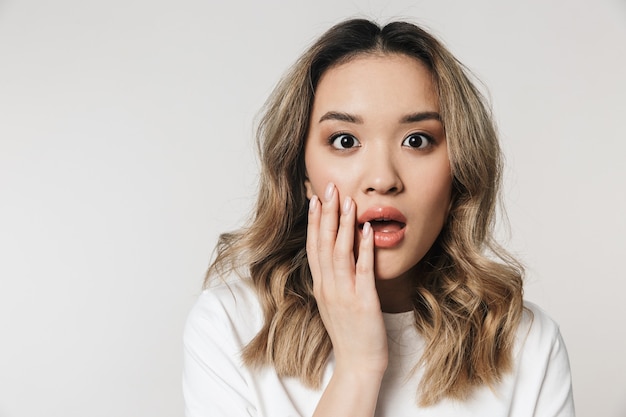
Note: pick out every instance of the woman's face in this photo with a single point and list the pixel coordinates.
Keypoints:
(375, 133)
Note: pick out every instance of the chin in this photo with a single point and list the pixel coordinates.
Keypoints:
(399, 261)
(389, 269)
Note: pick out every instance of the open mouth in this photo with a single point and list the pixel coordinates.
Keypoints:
(384, 225)
(388, 225)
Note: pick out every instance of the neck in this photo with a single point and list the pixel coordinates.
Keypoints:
(395, 294)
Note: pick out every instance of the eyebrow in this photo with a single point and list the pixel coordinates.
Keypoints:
(409, 118)
(420, 116)
(344, 117)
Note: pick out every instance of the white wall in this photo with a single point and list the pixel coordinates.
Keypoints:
(125, 149)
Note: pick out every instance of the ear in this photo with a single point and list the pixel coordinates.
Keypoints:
(309, 188)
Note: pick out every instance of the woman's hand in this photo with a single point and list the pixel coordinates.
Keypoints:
(348, 303)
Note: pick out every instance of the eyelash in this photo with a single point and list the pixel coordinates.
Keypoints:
(429, 140)
(333, 139)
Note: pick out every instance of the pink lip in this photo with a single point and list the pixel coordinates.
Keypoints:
(385, 239)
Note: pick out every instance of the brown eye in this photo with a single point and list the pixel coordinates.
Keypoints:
(344, 141)
(417, 141)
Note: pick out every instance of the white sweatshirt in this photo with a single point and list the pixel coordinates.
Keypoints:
(227, 316)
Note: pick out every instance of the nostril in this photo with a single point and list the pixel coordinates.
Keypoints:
(392, 190)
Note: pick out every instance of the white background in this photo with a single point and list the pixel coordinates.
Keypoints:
(126, 148)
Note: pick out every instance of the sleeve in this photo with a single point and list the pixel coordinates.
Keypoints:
(214, 383)
(556, 397)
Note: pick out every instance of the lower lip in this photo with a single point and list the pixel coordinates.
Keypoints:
(388, 239)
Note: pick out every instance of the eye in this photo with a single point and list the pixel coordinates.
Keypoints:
(417, 141)
(344, 141)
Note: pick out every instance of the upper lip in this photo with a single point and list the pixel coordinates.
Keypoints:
(381, 214)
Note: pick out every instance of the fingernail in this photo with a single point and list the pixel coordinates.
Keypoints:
(328, 195)
(367, 230)
(313, 203)
(347, 204)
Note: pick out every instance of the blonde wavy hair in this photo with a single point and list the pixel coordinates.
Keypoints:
(467, 304)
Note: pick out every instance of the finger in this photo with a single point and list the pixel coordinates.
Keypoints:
(312, 236)
(328, 231)
(343, 255)
(364, 276)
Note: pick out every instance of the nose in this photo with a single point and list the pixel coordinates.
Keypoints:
(380, 173)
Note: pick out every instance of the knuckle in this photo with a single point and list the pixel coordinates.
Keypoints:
(362, 269)
(340, 255)
(328, 232)
(325, 245)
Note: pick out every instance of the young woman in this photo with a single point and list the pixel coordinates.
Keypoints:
(367, 281)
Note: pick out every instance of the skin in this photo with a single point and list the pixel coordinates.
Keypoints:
(375, 140)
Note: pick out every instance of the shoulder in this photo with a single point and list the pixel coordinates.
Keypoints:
(229, 306)
(537, 326)
(543, 374)
(223, 320)
(538, 336)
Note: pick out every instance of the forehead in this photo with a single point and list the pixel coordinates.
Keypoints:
(375, 82)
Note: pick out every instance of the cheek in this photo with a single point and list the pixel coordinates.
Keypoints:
(321, 172)
(316, 183)
(434, 191)
(315, 171)
(440, 189)
(440, 197)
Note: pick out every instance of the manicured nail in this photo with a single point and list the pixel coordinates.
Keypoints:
(313, 203)
(330, 188)
(367, 230)
(347, 205)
